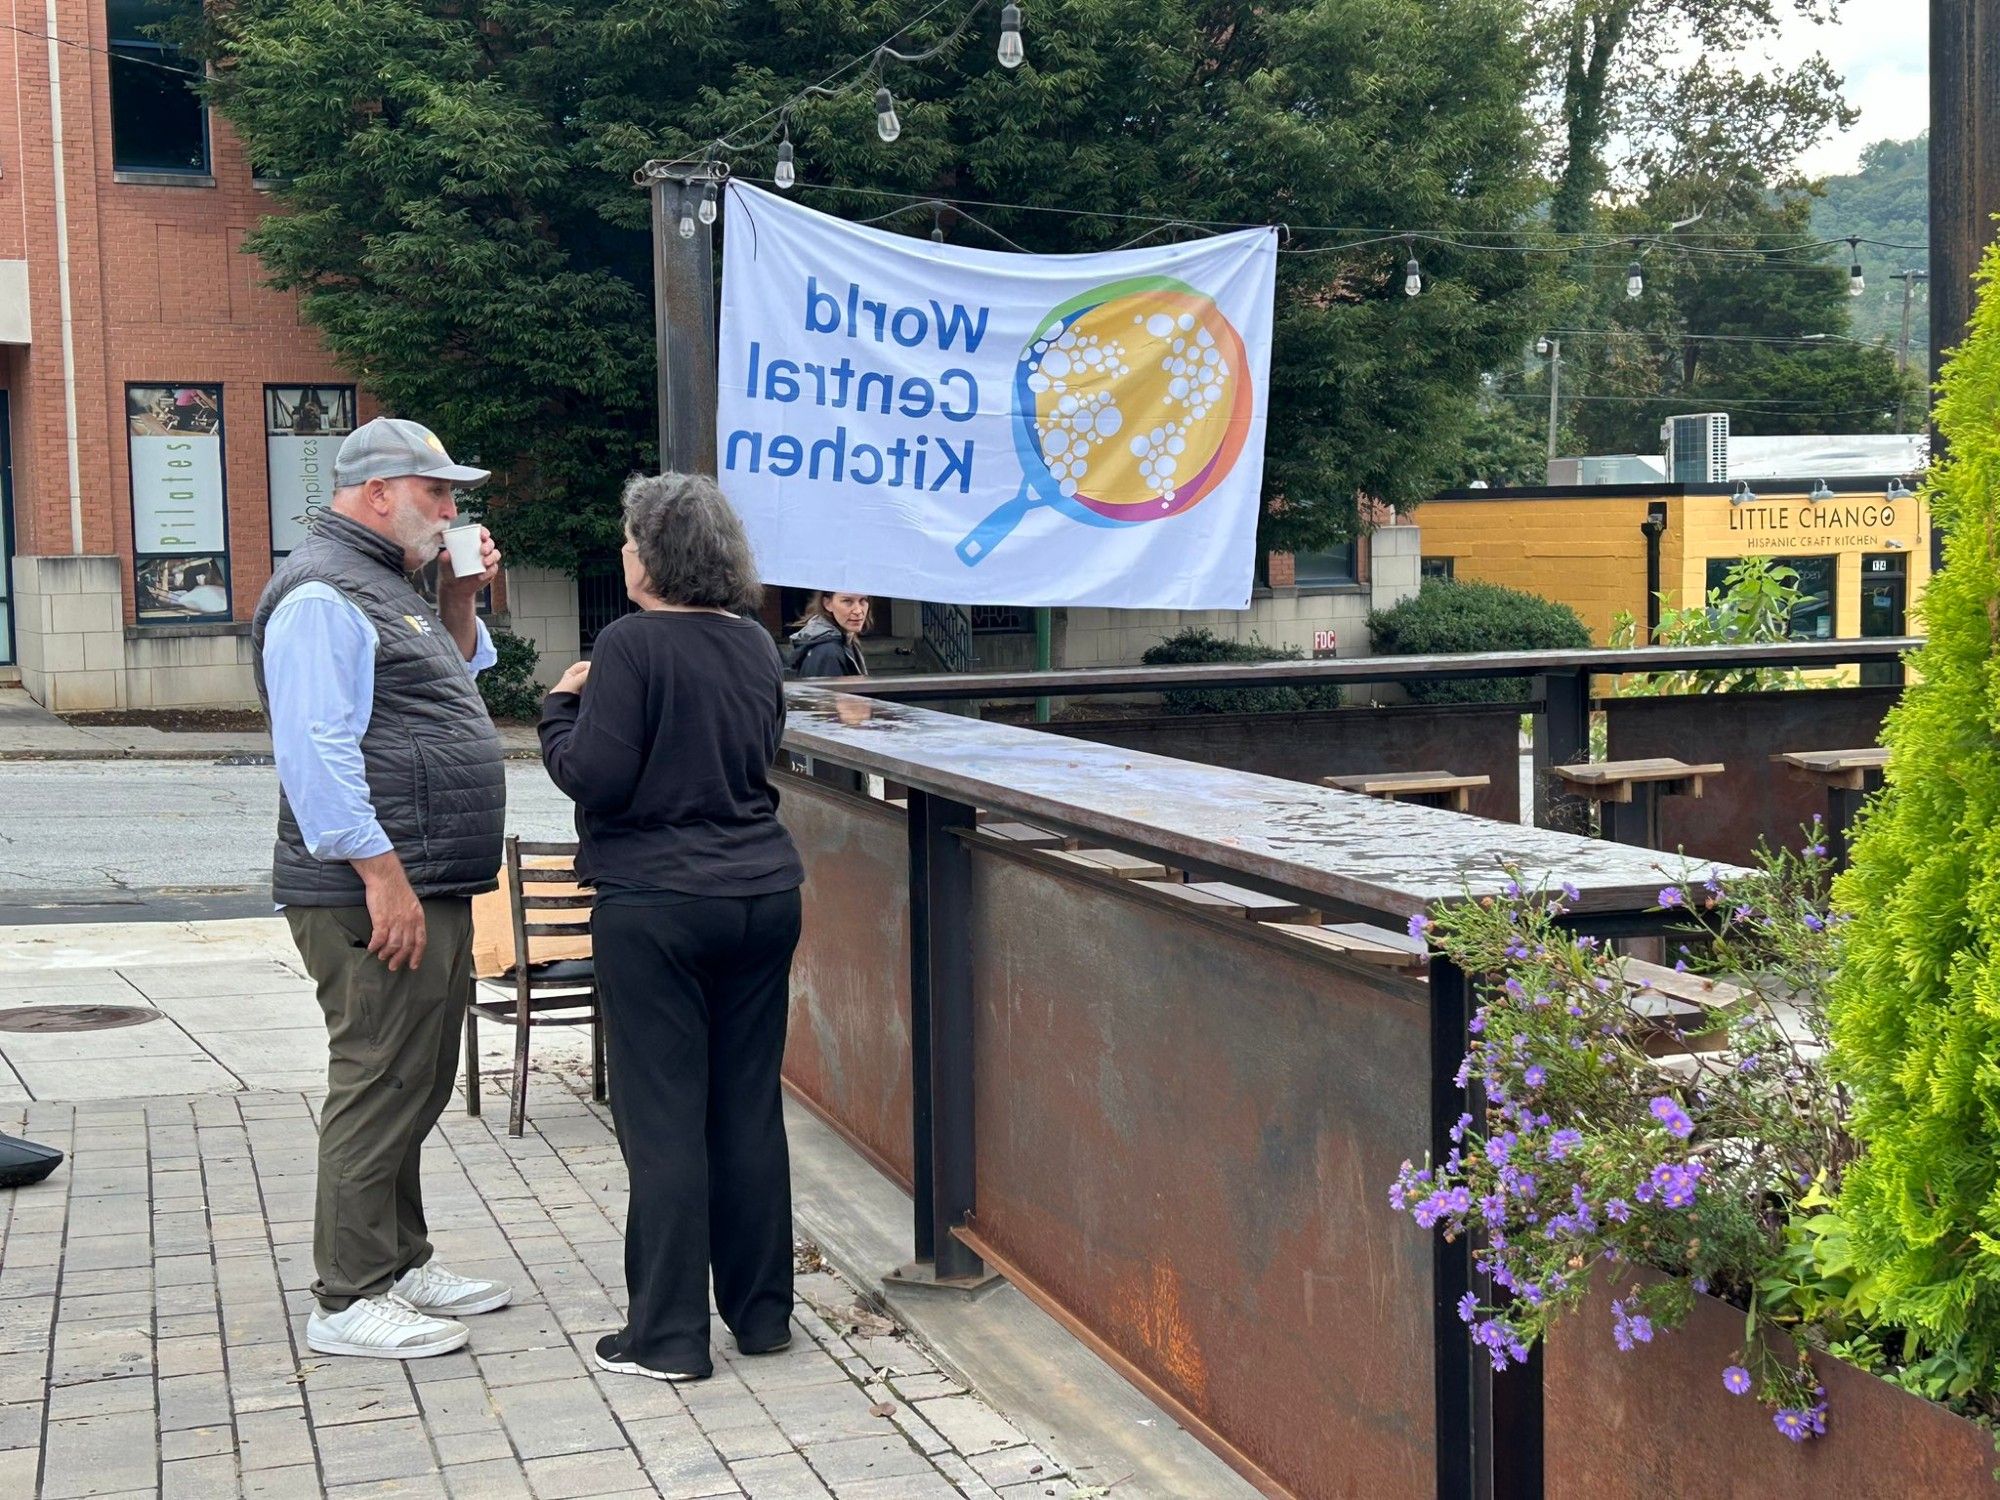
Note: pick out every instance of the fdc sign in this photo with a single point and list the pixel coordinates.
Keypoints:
(901, 417)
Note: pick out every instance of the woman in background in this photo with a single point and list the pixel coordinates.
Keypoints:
(665, 741)
(827, 642)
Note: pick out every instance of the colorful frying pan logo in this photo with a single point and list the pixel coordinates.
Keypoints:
(1131, 403)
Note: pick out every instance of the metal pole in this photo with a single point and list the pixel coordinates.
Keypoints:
(1555, 386)
(1461, 1448)
(684, 326)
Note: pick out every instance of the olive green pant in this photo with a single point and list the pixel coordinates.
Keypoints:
(392, 1058)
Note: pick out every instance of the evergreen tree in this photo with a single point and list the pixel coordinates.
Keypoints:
(1916, 1001)
(460, 219)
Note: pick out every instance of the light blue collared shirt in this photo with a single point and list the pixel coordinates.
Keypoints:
(319, 672)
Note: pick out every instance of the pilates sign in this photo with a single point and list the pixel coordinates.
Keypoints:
(907, 418)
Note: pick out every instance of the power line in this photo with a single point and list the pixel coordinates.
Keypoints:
(63, 41)
(1705, 402)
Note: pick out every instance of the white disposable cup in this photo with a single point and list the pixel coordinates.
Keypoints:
(462, 543)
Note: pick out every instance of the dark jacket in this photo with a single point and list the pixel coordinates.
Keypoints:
(821, 648)
(431, 753)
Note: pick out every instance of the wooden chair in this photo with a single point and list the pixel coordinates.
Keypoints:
(546, 992)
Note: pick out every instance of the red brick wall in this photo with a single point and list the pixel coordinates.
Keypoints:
(160, 291)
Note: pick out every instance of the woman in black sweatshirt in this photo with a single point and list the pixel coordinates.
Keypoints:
(665, 740)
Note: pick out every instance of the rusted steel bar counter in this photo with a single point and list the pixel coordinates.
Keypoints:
(1172, 1126)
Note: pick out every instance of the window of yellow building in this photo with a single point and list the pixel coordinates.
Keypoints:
(1813, 620)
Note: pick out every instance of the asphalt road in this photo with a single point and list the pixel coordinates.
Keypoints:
(104, 841)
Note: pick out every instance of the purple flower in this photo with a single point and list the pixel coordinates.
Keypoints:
(1571, 893)
(1618, 1209)
(1735, 1379)
(1814, 923)
(1419, 925)
(1743, 914)
(1468, 1307)
(1518, 949)
(1536, 1076)
(1511, 889)
(1671, 896)
(1629, 1328)
(1673, 1183)
(1563, 1142)
(1749, 1063)
(1815, 851)
(1793, 1423)
(1669, 1113)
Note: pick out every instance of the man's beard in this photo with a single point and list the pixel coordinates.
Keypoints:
(421, 536)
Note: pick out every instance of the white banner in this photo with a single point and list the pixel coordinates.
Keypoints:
(303, 429)
(907, 418)
(175, 443)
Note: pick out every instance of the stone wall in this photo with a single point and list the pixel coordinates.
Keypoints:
(542, 607)
(76, 653)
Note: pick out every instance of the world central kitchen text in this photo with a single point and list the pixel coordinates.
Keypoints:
(925, 459)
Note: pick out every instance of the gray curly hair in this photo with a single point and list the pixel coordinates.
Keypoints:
(690, 542)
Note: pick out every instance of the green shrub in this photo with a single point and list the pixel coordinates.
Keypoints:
(1199, 644)
(508, 686)
(1915, 1008)
(1447, 617)
(1754, 606)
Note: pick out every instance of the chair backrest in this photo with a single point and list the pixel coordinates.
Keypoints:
(546, 884)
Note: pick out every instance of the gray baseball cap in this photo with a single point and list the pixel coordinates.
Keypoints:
(391, 448)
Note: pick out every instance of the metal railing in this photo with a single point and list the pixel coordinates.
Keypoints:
(947, 635)
(1339, 855)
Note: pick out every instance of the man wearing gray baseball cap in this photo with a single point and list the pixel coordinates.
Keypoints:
(391, 807)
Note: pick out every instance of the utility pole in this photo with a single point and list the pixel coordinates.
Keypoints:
(1909, 280)
(1551, 349)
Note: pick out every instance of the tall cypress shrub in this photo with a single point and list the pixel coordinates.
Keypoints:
(1916, 1005)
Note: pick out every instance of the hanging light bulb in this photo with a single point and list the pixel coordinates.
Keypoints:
(886, 124)
(1635, 283)
(687, 219)
(706, 213)
(786, 174)
(1012, 53)
(1413, 277)
(1856, 282)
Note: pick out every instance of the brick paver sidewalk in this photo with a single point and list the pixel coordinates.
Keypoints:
(152, 1309)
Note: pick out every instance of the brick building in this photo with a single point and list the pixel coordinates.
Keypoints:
(167, 418)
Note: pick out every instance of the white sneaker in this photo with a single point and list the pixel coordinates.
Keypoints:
(382, 1328)
(430, 1288)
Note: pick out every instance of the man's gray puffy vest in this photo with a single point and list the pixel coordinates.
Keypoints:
(431, 753)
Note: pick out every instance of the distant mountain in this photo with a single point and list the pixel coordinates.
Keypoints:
(1888, 199)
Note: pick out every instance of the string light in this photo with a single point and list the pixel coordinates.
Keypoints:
(687, 219)
(1856, 282)
(887, 125)
(1012, 53)
(1413, 276)
(786, 174)
(1635, 281)
(706, 213)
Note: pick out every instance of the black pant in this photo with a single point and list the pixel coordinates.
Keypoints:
(694, 995)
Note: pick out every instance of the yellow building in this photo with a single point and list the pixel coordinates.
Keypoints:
(1862, 551)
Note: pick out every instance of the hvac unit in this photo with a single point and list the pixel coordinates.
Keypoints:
(1697, 448)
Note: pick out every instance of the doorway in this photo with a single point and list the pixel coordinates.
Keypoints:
(1884, 611)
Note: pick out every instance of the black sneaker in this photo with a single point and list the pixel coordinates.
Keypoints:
(767, 1346)
(611, 1356)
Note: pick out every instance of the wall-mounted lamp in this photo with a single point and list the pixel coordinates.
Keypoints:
(1744, 494)
(1821, 493)
(1899, 491)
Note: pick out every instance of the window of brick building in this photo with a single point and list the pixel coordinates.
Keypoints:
(158, 123)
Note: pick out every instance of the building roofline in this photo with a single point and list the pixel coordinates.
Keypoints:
(1765, 489)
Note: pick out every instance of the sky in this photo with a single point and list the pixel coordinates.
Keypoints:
(1881, 49)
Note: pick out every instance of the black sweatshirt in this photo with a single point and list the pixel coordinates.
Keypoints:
(667, 755)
